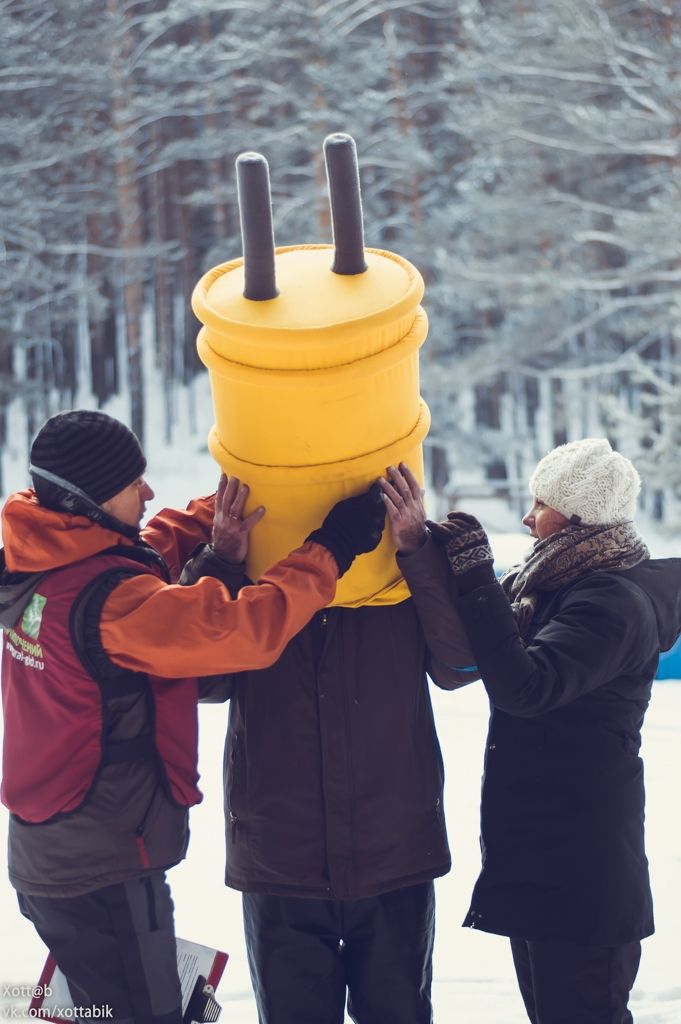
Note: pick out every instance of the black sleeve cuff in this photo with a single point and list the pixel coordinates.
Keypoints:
(343, 560)
(205, 561)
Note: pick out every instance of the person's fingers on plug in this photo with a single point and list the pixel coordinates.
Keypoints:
(412, 482)
(220, 493)
(391, 496)
(399, 483)
(394, 518)
(225, 495)
(239, 501)
(253, 517)
(392, 512)
(231, 491)
(398, 480)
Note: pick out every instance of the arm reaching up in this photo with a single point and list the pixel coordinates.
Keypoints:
(424, 565)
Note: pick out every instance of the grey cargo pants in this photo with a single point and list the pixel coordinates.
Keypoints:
(116, 948)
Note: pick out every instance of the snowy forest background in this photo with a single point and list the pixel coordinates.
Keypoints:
(524, 154)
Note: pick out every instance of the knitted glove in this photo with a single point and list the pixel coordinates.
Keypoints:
(352, 527)
(468, 550)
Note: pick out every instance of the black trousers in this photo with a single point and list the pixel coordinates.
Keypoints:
(305, 956)
(562, 983)
(116, 948)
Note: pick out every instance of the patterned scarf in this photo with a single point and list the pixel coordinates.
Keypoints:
(566, 555)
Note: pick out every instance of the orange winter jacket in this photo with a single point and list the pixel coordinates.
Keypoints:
(175, 631)
(156, 629)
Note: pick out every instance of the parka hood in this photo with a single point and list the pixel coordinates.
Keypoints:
(660, 578)
(37, 539)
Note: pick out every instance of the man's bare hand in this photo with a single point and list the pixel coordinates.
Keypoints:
(230, 529)
(404, 504)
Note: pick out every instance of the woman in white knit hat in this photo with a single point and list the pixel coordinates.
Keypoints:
(567, 646)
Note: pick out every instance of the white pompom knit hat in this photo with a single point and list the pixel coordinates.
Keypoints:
(587, 482)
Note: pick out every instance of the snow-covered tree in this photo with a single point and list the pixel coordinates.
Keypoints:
(564, 251)
(524, 155)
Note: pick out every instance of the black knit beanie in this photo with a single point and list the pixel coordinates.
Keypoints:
(89, 450)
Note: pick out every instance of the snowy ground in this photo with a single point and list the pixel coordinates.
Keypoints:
(474, 980)
(473, 973)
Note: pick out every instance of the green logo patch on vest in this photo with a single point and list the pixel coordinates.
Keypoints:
(33, 616)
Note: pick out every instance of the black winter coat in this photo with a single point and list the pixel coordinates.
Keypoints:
(333, 772)
(562, 815)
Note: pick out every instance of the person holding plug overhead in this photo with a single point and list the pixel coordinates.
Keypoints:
(101, 656)
(566, 645)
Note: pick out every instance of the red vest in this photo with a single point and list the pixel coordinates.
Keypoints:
(56, 709)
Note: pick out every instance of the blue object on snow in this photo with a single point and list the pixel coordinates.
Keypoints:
(670, 663)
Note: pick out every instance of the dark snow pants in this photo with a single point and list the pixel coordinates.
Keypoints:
(562, 983)
(116, 948)
(305, 955)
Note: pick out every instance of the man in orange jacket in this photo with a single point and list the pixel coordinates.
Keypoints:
(101, 656)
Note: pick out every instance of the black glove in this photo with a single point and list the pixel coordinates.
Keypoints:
(352, 527)
(205, 561)
(468, 550)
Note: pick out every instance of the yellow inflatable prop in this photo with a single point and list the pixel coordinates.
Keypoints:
(312, 352)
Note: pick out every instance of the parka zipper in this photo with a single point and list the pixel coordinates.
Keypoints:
(141, 847)
(231, 815)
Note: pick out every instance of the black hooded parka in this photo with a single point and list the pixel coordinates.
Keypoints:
(562, 814)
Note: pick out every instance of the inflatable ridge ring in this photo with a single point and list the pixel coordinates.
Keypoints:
(312, 352)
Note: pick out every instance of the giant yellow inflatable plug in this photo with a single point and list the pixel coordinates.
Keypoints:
(312, 352)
